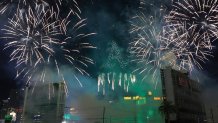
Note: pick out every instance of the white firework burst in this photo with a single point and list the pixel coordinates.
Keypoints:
(41, 42)
(55, 5)
(147, 46)
(198, 16)
(182, 43)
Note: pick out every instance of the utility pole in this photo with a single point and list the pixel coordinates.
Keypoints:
(103, 113)
(24, 105)
(212, 117)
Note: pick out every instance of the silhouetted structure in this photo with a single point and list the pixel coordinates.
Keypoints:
(185, 94)
(44, 103)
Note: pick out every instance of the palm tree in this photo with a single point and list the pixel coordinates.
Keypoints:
(166, 108)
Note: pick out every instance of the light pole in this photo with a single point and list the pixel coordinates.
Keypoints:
(212, 117)
(103, 113)
(147, 119)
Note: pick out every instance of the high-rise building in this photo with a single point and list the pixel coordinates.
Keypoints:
(44, 103)
(185, 94)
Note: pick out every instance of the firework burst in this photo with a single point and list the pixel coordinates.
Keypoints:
(182, 41)
(179, 41)
(158, 45)
(147, 46)
(31, 35)
(19, 4)
(41, 42)
(198, 16)
(55, 5)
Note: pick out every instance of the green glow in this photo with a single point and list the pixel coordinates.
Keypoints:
(150, 112)
(71, 117)
(67, 116)
(138, 104)
(141, 101)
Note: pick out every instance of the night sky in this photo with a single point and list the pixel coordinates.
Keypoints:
(110, 20)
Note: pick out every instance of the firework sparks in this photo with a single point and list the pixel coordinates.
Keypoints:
(41, 42)
(199, 16)
(54, 5)
(115, 57)
(183, 41)
(20, 4)
(31, 37)
(188, 54)
(147, 46)
(115, 80)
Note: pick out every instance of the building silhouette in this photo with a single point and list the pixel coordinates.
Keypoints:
(185, 94)
(44, 103)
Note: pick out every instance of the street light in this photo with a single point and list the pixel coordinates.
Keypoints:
(64, 121)
(147, 119)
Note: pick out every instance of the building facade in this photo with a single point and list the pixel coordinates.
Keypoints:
(44, 103)
(185, 94)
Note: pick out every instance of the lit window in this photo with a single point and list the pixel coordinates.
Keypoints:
(157, 98)
(127, 98)
(149, 93)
